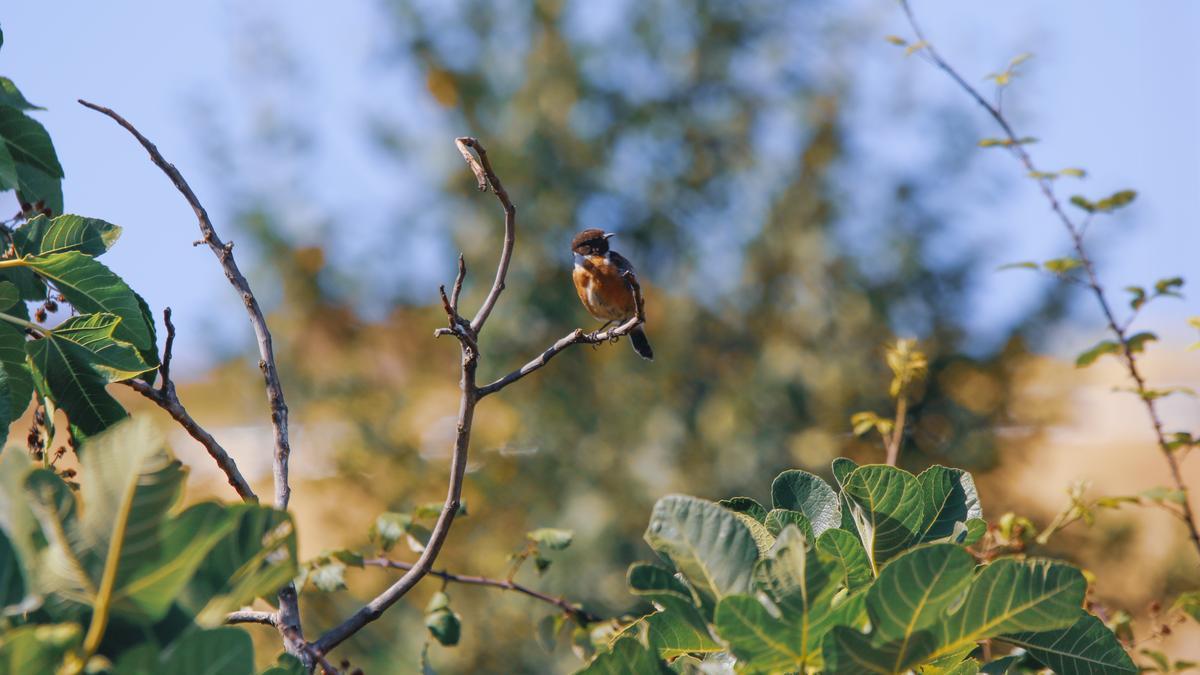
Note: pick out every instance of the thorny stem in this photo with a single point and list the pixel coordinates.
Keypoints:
(1076, 233)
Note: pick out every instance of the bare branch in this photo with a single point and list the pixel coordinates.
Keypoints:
(164, 396)
(251, 616)
(576, 337)
(289, 610)
(579, 613)
(458, 282)
(1076, 233)
(485, 177)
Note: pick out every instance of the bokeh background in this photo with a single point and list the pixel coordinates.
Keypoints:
(794, 190)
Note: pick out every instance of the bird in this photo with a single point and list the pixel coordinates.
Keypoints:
(599, 277)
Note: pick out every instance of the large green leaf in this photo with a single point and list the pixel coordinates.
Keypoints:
(778, 519)
(1012, 596)
(846, 548)
(91, 287)
(11, 97)
(661, 587)
(916, 620)
(802, 491)
(216, 651)
(761, 641)
(38, 172)
(888, 510)
(12, 580)
(17, 378)
(713, 550)
(950, 498)
(8, 169)
(28, 141)
(43, 236)
(255, 559)
(1087, 647)
(64, 371)
(802, 583)
(627, 657)
(115, 359)
(672, 634)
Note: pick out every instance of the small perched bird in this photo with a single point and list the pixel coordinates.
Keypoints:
(600, 281)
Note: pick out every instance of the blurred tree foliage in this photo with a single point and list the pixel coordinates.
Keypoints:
(715, 138)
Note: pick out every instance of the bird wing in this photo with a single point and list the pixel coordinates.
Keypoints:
(623, 265)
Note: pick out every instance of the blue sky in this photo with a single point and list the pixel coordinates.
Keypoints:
(1114, 87)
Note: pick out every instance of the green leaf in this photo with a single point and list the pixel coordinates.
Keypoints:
(888, 510)
(1061, 265)
(17, 381)
(1188, 603)
(96, 333)
(896, 40)
(764, 538)
(228, 651)
(1101, 348)
(1023, 265)
(92, 288)
(64, 371)
(1168, 286)
(38, 187)
(1016, 596)
(842, 467)
(1083, 203)
(1085, 647)
(713, 550)
(551, 539)
(1116, 201)
(912, 593)
(672, 635)
(627, 657)
(286, 664)
(28, 142)
(255, 559)
(445, 626)
(778, 519)
(12, 579)
(389, 528)
(329, 576)
(9, 179)
(976, 528)
(950, 498)
(1137, 342)
(802, 583)
(846, 548)
(801, 491)
(759, 640)
(747, 506)
(11, 97)
(9, 295)
(38, 648)
(44, 236)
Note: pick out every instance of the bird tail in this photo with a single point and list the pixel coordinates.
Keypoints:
(641, 345)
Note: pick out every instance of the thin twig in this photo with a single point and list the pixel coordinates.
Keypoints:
(893, 444)
(576, 337)
(1093, 281)
(579, 613)
(164, 396)
(458, 282)
(468, 335)
(486, 178)
(251, 616)
(289, 609)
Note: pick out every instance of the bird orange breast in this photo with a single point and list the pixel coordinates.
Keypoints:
(602, 289)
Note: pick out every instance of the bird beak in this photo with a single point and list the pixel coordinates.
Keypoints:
(610, 235)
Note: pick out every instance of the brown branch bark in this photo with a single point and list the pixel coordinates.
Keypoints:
(1093, 281)
(579, 613)
(289, 609)
(576, 337)
(251, 616)
(164, 396)
(468, 336)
